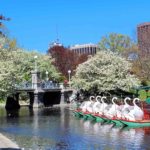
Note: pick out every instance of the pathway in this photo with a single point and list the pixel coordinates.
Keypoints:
(6, 143)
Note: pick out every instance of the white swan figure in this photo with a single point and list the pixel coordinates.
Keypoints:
(136, 113)
(89, 104)
(112, 111)
(83, 104)
(127, 108)
(124, 109)
(97, 104)
(103, 106)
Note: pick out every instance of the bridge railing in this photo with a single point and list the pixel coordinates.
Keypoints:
(41, 85)
(49, 85)
(23, 85)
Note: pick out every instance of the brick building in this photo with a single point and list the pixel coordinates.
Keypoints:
(143, 31)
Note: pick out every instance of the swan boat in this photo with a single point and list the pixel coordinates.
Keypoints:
(116, 121)
(121, 122)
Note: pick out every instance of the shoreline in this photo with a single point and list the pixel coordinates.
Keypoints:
(7, 143)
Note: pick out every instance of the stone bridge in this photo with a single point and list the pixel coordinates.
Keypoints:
(45, 93)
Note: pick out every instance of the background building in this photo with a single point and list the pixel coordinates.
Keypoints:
(89, 49)
(144, 37)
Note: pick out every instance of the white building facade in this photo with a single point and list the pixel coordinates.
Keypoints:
(89, 49)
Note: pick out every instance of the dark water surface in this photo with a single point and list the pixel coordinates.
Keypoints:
(57, 129)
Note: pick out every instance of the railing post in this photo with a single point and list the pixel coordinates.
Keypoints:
(35, 86)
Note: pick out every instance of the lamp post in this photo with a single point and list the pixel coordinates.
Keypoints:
(46, 75)
(35, 63)
(69, 72)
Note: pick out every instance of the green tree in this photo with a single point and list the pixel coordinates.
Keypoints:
(115, 42)
(17, 64)
(105, 71)
(140, 63)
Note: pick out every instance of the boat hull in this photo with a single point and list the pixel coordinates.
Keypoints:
(136, 123)
(78, 114)
(98, 119)
(118, 123)
(105, 120)
(88, 117)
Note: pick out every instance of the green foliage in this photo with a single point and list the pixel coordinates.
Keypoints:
(144, 83)
(142, 94)
(133, 91)
(105, 71)
(115, 42)
(2, 101)
(17, 64)
(148, 93)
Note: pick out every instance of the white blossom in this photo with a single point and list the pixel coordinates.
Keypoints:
(16, 65)
(104, 72)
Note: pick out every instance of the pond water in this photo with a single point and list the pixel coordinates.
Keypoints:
(57, 129)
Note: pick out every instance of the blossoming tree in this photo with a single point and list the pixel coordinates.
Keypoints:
(103, 72)
(17, 64)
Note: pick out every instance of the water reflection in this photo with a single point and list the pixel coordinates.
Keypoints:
(12, 113)
(57, 129)
(133, 136)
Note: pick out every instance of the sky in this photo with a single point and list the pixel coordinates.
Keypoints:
(37, 23)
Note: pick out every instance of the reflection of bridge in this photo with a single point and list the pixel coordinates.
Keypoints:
(45, 93)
